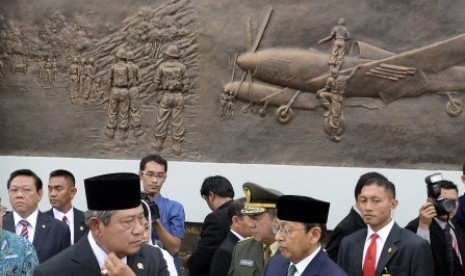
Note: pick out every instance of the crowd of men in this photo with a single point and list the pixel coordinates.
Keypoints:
(129, 228)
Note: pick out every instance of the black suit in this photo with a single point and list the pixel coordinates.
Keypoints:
(351, 223)
(221, 261)
(79, 259)
(51, 236)
(438, 247)
(214, 230)
(404, 254)
(80, 228)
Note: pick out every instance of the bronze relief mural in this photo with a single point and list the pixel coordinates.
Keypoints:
(336, 83)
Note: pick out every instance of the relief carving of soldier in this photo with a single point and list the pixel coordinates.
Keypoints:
(134, 103)
(171, 81)
(339, 34)
(118, 105)
(74, 81)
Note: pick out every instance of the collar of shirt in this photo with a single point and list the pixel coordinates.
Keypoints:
(442, 224)
(302, 265)
(239, 236)
(31, 219)
(383, 233)
(273, 247)
(99, 253)
(59, 215)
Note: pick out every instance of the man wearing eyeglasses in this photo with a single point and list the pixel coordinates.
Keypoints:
(115, 244)
(299, 235)
(168, 229)
(16, 253)
(48, 235)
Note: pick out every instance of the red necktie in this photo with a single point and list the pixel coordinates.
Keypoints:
(24, 232)
(369, 265)
(65, 220)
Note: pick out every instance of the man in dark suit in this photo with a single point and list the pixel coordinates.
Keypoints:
(299, 235)
(48, 235)
(240, 229)
(430, 225)
(384, 247)
(251, 255)
(61, 191)
(218, 192)
(353, 221)
(115, 242)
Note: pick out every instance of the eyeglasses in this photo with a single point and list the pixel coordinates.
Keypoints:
(154, 175)
(129, 223)
(286, 231)
(25, 191)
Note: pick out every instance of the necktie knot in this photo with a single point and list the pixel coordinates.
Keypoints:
(24, 223)
(24, 231)
(292, 270)
(266, 253)
(374, 237)
(65, 219)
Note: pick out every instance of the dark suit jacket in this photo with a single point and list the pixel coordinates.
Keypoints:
(351, 223)
(80, 228)
(80, 260)
(320, 265)
(438, 247)
(403, 254)
(222, 259)
(50, 236)
(214, 230)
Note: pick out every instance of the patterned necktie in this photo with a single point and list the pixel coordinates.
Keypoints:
(65, 220)
(369, 265)
(449, 248)
(266, 253)
(24, 232)
(292, 270)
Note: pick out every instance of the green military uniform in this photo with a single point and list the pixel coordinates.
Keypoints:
(248, 255)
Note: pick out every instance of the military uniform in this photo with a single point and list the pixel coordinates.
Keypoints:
(248, 255)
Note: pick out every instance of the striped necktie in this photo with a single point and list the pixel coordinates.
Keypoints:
(24, 232)
(65, 220)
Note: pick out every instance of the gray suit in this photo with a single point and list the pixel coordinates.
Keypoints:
(403, 254)
(51, 236)
(80, 260)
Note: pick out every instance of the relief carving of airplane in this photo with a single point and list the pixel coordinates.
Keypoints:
(286, 73)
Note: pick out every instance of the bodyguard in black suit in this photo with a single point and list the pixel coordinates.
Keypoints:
(115, 242)
(218, 192)
(430, 226)
(240, 229)
(61, 192)
(48, 235)
(402, 252)
(353, 221)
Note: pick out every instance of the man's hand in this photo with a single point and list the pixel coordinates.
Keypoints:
(114, 267)
(427, 213)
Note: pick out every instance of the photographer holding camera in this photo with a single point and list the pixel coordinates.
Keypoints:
(434, 224)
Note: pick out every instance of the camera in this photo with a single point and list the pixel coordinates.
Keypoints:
(153, 207)
(433, 184)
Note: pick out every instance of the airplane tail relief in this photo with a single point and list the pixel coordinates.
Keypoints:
(411, 86)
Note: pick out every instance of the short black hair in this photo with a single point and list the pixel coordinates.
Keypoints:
(463, 168)
(153, 158)
(386, 184)
(448, 185)
(364, 178)
(218, 185)
(64, 173)
(235, 208)
(25, 172)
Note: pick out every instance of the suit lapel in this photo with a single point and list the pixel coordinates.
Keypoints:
(85, 259)
(42, 227)
(9, 223)
(390, 248)
(357, 251)
(79, 226)
(313, 268)
(137, 263)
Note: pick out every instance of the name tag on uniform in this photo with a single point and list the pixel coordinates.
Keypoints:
(246, 262)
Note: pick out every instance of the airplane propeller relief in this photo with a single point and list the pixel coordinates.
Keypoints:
(290, 77)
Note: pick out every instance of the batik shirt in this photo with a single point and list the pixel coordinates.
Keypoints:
(17, 255)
